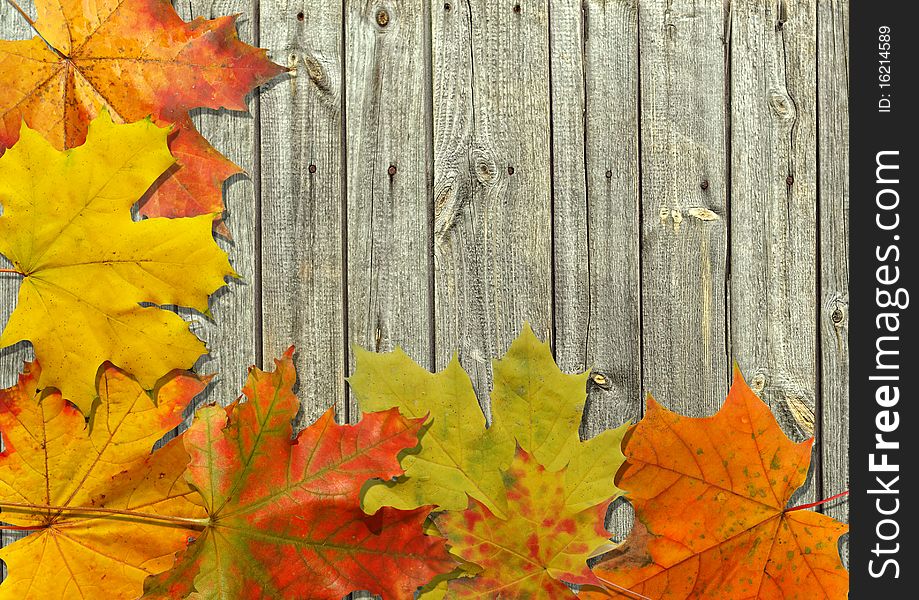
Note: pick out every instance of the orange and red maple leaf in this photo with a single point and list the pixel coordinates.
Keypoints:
(136, 58)
(712, 521)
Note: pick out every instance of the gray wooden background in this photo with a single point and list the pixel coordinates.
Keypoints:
(658, 187)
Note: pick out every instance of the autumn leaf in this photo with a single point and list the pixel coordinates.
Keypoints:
(135, 58)
(285, 516)
(542, 542)
(712, 519)
(68, 481)
(87, 266)
(453, 459)
(533, 404)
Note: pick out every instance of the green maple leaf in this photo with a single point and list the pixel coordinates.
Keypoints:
(534, 404)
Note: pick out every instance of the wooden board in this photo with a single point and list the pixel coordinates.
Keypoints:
(301, 199)
(492, 225)
(833, 166)
(773, 254)
(684, 179)
(390, 264)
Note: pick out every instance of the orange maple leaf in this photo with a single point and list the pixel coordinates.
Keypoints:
(136, 58)
(710, 498)
(104, 512)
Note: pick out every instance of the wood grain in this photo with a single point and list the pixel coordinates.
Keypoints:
(684, 181)
(302, 199)
(492, 228)
(833, 167)
(390, 265)
(596, 210)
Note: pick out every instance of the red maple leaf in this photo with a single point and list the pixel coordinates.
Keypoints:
(285, 516)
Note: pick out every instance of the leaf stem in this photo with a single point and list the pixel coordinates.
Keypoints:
(818, 502)
(13, 271)
(625, 591)
(21, 527)
(35, 508)
(23, 13)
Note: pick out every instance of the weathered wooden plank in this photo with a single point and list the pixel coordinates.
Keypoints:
(684, 183)
(595, 208)
(302, 262)
(773, 205)
(833, 155)
(595, 188)
(492, 228)
(231, 334)
(390, 263)
(12, 27)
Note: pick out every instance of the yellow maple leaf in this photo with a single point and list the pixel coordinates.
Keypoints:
(87, 265)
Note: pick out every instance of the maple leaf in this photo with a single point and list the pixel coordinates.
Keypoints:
(86, 265)
(285, 514)
(534, 405)
(135, 58)
(69, 481)
(710, 496)
(543, 541)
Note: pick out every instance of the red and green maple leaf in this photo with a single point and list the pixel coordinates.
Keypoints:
(136, 58)
(525, 500)
(543, 541)
(285, 515)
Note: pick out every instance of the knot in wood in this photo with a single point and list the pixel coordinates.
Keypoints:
(782, 106)
(704, 184)
(382, 17)
(599, 380)
(483, 166)
(316, 72)
(838, 316)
